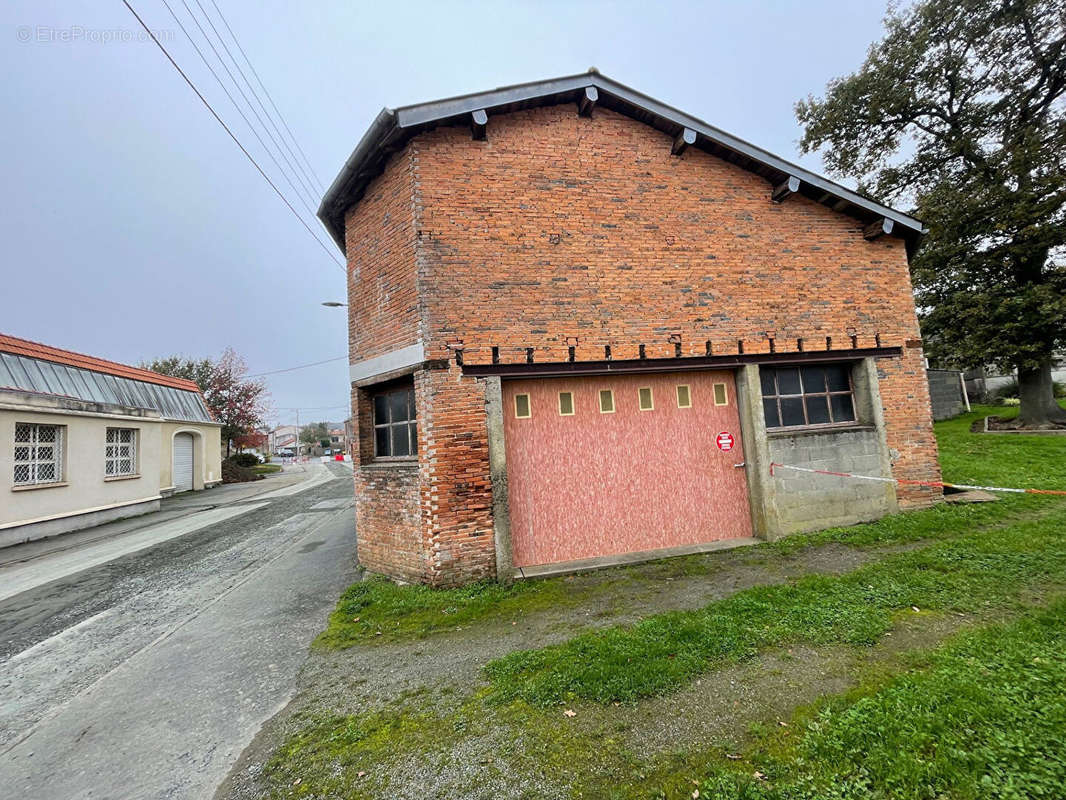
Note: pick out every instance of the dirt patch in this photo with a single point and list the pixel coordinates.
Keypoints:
(995, 424)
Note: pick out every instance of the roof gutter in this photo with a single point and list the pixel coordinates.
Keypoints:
(328, 211)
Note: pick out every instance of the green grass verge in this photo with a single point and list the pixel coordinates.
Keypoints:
(266, 469)
(986, 718)
(665, 651)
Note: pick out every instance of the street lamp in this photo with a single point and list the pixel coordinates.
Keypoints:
(333, 304)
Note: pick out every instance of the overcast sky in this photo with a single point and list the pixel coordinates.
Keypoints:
(134, 228)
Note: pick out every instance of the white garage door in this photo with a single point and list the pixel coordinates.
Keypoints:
(183, 462)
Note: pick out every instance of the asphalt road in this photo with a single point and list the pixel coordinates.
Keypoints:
(146, 676)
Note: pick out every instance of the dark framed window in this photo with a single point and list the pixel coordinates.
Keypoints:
(395, 428)
(794, 397)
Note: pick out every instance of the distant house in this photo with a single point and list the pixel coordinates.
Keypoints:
(85, 441)
(282, 439)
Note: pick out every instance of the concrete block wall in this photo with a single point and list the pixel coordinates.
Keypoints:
(806, 502)
(945, 393)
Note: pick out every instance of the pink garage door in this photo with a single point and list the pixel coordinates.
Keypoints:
(604, 465)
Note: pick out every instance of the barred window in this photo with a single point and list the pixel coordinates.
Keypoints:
(38, 454)
(395, 428)
(800, 396)
(121, 453)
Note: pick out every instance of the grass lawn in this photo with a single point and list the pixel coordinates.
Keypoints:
(266, 469)
(984, 718)
(977, 714)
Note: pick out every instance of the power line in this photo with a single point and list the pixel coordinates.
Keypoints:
(293, 369)
(307, 195)
(268, 96)
(295, 162)
(236, 141)
(222, 85)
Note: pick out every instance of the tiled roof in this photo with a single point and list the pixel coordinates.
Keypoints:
(24, 347)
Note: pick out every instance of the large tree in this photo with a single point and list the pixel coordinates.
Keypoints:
(198, 370)
(239, 403)
(959, 112)
(315, 433)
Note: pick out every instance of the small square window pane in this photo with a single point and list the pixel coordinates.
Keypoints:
(843, 410)
(813, 380)
(22, 453)
(792, 411)
(381, 409)
(381, 441)
(46, 453)
(766, 376)
(398, 406)
(23, 433)
(111, 434)
(46, 433)
(769, 409)
(606, 401)
(125, 467)
(46, 472)
(788, 381)
(111, 451)
(838, 378)
(401, 440)
(817, 409)
(126, 435)
(521, 405)
(110, 469)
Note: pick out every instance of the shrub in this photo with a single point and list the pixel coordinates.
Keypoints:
(1006, 390)
(233, 472)
(244, 459)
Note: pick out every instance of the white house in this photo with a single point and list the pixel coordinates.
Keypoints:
(85, 441)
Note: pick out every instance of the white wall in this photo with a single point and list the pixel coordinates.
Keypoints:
(84, 485)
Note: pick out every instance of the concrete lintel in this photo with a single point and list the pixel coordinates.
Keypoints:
(501, 514)
(394, 362)
(603, 562)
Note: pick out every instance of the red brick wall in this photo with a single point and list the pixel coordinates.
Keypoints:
(559, 226)
(562, 227)
(383, 316)
(380, 243)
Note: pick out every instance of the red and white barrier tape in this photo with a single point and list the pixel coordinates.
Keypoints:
(937, 484)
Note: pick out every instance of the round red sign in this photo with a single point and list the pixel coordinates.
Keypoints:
(724, 440)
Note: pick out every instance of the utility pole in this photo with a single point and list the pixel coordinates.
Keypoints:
(297, 436)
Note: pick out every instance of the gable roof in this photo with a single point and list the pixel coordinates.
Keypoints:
(392, 128)
(24, 347)
(37, 368)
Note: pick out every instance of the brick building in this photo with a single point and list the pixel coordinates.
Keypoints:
(584, 324)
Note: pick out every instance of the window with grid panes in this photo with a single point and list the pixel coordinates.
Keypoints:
(794, 397)
(120, 455)
(38, 454)
(395, 428)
